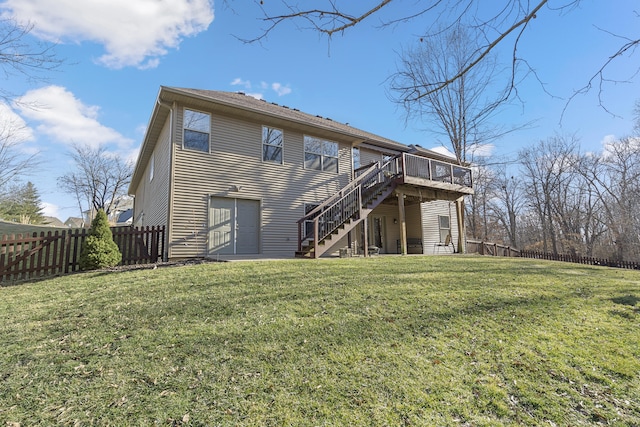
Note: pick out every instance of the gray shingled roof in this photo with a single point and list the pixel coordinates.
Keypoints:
(246, 102)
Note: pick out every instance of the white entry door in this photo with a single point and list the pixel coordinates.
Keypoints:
(234, 226)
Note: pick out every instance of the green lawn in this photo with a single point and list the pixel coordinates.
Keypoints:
(394, 341)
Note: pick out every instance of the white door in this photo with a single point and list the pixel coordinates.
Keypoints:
(234, 226)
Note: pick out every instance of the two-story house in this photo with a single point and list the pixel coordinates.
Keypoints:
(231, 175)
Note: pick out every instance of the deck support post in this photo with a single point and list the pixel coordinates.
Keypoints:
(461, 228)
(365, 234)
(403, 224)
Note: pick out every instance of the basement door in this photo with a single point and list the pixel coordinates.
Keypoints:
(377, 232)
(234, 226)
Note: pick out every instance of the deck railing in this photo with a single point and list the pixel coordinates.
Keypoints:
(436, 170)
(491, 248)
(410, 165)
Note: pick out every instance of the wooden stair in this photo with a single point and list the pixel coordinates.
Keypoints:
(340, 214)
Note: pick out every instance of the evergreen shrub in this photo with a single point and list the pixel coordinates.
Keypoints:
(98, 249)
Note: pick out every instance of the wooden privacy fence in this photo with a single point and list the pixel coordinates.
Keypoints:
(50, 253)
(493, 249)
(634, 265)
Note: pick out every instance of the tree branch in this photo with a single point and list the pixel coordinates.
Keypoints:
(600, 77)
(334, 16)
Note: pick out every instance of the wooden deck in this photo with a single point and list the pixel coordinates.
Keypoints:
(405, 178)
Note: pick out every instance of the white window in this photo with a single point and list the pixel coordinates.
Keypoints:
(196, 126)
(320, 154)
(272, 145)
(355, 155)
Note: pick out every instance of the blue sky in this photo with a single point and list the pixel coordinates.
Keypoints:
(118, 53)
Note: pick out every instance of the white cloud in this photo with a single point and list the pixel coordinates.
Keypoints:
(13, 128)
(141, 129)
(444, 151)
(239, 82)
(50, 209)
(131, 155)
(263, 86)
(281, 90)
(612, 145)
(608, 139)
(482, 150)
(65, 119)
(478, 150)
(133, 32)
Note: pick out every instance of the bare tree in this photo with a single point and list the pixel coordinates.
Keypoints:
(100, 177)
(13, 162)
(29, 60)
(498, 23)
(22, 57)
(477, 209)
(615, 177)
(636, 125)
(506, 205)
(462, 110)
(577, 211)
(546, 168)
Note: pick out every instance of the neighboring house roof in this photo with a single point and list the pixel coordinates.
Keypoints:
(53, 222)
(122, 203)
(125, 217)
(74, 222)
(240, 104)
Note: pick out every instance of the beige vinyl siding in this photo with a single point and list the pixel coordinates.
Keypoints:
(430, 213)
(236, 160)
(151, 197)
(368, 156)
(392, 230)
(414, 223)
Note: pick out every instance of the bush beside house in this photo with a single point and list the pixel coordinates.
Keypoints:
(99, 250)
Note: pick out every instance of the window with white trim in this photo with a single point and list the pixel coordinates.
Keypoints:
(272, 145)
(197, 127)
(320, 154)
(355, 155)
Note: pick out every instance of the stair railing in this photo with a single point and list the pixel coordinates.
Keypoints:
(347, 203)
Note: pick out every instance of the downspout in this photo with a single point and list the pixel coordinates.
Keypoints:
(168, 234)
